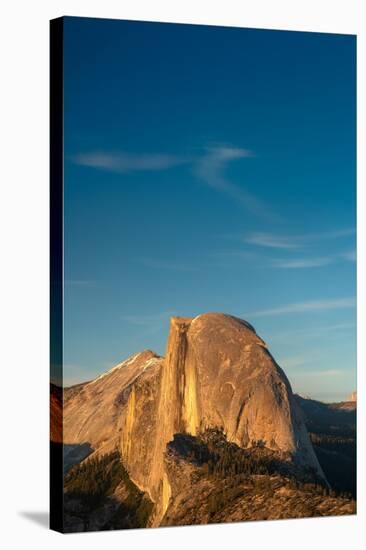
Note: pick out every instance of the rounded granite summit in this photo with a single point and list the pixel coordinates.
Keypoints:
(237, 385)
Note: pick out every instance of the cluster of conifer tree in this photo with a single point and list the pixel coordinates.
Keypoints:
(337, 457)
(95, 479)
(222, 459)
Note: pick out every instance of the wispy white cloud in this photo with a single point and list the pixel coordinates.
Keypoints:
(304, 307)
(291, 242)
(323, 373)
(208, 166)
(313, 331)
(210, 169)
(123, 162)
(270, 240)
(320, 261)
(295, 243)
(299, 365)
(251, 257)
(350, 256)
(301, 263)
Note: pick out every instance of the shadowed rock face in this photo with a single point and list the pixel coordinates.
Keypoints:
(217, 373)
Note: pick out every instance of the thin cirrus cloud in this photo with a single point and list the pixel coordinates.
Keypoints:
(208, 167)
(350, 256)
(292, 242)
(302, 263)
(324, 373)
(224, 259)
(313, 331)
(123, 162)
(304, 307)
(269, 240)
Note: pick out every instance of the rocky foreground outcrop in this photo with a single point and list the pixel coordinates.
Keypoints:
(217, 373)
(227, 494)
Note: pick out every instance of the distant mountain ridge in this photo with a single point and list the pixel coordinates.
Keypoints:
(342, 414)
(332, 429)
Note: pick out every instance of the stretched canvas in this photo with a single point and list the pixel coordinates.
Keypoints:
(203, 215)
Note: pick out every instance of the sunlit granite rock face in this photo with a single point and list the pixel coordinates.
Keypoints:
(217, 373)
(239, 387)
(94, 412)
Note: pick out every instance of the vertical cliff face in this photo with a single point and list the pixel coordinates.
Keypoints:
(177, 406)
(217, 373)
(172, 407)
(191, 410)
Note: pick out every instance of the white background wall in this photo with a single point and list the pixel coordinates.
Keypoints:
(24, 270)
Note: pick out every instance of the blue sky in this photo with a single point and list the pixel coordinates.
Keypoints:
(210, 169)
